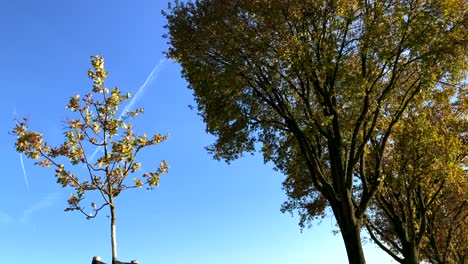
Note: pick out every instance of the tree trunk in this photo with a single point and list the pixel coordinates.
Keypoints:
(352, 240)
(350, 229)
(113, 233)
(410, 253)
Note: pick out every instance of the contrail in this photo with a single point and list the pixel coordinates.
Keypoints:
(47, 201)
(94, 154)
(24, 172)
(21, 157)
(151, 77)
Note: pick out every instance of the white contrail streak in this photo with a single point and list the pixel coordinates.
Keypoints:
(21, 158)
(24, 172)
(45, 202)
(151, 77)
(94, 154)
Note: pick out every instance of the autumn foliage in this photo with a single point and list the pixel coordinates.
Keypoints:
(98, 128)
(317, 86)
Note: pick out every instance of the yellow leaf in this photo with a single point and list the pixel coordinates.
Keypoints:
(138, 182)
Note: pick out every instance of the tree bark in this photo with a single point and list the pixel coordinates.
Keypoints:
(410, 253)
(113, 231)
(350, 228)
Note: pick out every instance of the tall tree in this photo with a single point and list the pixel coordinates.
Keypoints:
(424, 176)
(447, 225)
(311, 79)
(447, 231)
(98, 126)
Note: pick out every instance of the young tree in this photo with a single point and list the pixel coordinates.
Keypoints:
(98, 126)
(424, 177)
(311, 80)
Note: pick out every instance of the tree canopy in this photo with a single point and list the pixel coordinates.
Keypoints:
(424, 176)
(317, 85)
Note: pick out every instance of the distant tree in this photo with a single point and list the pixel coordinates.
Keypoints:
(311, 80)
(424, 182)
(98, 126)
(447, 228)
(447, 225)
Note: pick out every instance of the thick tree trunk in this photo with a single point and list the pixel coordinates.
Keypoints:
(352, 240)
(350, 229)
(410, 253)
(113, 234)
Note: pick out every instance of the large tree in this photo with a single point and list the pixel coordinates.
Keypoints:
(424, 181)
(310, 80)
(447, 228)
(447, 223)
(98, 126)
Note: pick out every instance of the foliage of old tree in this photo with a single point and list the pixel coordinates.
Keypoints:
(425, 182)
(447, 228)
(98, 126)
(311, 80)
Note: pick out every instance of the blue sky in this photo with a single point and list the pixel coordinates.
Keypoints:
(204, 211)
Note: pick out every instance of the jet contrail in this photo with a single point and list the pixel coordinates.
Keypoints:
(94, 154)
(47, 201)
(151, 77)
(21, 157)
(24, 172)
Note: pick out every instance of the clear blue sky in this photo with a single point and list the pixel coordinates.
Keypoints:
(204, 211)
